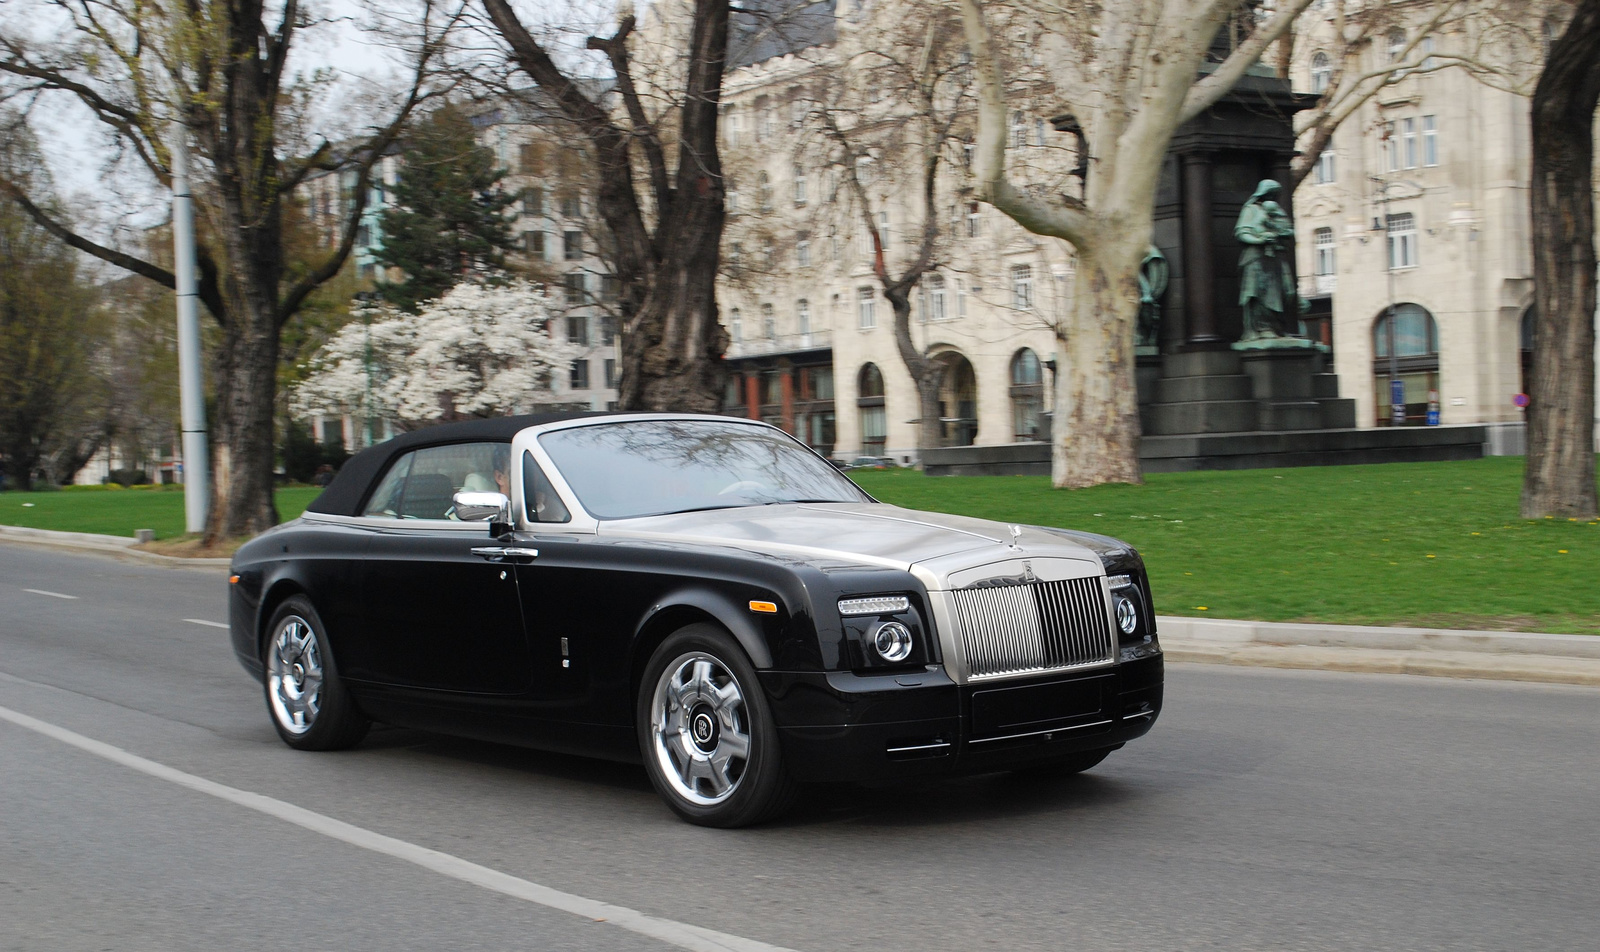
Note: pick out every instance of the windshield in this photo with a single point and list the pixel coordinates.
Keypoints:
(653, 467)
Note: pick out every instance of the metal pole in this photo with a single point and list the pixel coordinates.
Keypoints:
(196, 454)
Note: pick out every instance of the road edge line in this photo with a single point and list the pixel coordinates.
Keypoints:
(680, 934)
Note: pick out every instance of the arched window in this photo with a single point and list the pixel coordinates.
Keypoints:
(802, 313)
(1321, 72)
(1027, 395)
(958, 400)
(1413, 340)
(869, 406)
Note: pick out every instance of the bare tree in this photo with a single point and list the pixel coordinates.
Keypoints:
(1129, 74)
(918, 95)
(1489, 39)
(1560, 476)
(220, 72)
(664, 238)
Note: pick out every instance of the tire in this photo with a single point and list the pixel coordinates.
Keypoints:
(308, 704)
(706, 732)
(1067, 765)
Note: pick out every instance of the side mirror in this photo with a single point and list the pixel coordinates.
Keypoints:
(482, 507)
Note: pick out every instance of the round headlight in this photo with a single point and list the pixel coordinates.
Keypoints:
(892, 641)
(1127, 615)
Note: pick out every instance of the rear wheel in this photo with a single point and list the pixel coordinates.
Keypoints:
(706, 732)
(309, 705)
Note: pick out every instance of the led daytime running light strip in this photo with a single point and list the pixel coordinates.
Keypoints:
(874, 605)
(1119, 581)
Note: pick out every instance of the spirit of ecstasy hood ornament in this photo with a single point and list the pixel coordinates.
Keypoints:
(1016, 536)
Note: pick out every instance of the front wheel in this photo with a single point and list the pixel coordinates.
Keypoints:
(706, 732)
(310, 707)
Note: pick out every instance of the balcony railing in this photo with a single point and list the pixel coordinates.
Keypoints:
(781, 344)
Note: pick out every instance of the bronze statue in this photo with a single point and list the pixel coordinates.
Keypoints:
(1153, 275)
(1266, 280)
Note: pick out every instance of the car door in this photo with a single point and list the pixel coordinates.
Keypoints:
(563, 598)
(440, 599)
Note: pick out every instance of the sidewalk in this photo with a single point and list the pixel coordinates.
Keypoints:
(1433, 652)
(122, 546)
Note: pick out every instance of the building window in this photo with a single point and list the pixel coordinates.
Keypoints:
(1397, 44)
(864, 170)
(761, 118)
(1402, 234)
(1430, 141)
(961, 298)
(1391, 148)
(936, 305)
(575, 287)
(974, 220)
(572, 245)
(611, 373)
(1428, 62)
(769, 118)
(530, 161)
(736, 326)
(1019, 130)
(1321, 72)
(802, 314)
(1325, 262)
(1408, 143)
(735, 254)
(883, 230)
(799, 185)
(571, 205)
(735, 125)
(580, 375)
(802, 253)
(865, 302)
(764, 192)
(1324, 251)
(1413, 339)
(870, 405)
(769, 322)
(533, 244)
(533, 201)
(1027, 396)
(1324, 174)
(1022, 287)
(731, 197)
(578, 330)
(1038, 133)
(769, 254)
(608, 331)
(610, 288)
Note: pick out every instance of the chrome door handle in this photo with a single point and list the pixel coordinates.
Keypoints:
(500, 553)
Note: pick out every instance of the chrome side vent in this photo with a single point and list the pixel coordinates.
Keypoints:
(1010, 630)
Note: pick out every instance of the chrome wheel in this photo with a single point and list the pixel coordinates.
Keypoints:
(700, 728)
(295, 675)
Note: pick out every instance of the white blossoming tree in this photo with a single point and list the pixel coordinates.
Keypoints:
(478, 351)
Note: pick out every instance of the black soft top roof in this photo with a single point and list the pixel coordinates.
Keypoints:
(344, 495)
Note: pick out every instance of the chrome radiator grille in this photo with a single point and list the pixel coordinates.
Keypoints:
(1041, 626)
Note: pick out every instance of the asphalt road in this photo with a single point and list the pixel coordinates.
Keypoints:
(1268, 810)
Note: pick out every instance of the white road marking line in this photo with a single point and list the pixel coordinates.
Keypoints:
(680, 934)
(208, 624)
(40, 591)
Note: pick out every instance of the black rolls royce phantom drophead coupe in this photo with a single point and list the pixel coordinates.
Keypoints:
(701, 594)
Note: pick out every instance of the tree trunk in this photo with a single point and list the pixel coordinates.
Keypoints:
(1096, 424)
(926, 374)
(1560, 475)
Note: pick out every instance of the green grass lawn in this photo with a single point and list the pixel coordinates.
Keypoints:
(1429, 544)
(120, 511)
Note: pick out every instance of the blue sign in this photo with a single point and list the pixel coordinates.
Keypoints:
(1433, 416)
(1397, 400)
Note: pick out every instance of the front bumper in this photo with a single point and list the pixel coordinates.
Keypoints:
(881, 728)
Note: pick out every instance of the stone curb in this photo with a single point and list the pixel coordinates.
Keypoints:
(1433, 652)
(108, 544)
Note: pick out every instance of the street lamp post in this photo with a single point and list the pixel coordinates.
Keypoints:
(1397, 394)
(196, 454)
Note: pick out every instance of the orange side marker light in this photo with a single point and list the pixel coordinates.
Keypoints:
(766, 608)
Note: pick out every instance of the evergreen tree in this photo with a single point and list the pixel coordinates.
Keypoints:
(448, 216)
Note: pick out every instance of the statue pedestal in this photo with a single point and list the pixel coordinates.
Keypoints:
(1288, 376)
